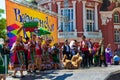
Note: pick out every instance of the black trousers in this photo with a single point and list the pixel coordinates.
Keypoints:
(68, 55)
(104, 62)
(90, 60)
(85, 58)
(26, 59)
(116, 62)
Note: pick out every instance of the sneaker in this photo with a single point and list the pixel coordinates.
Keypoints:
(34, 71)
(22, 76)
(14, 76)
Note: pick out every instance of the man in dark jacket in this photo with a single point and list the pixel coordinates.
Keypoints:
(66, 50)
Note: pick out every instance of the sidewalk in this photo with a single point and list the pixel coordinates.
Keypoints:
(93, 73)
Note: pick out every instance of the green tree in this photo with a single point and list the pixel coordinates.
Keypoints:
(1, 12)
(2, 25)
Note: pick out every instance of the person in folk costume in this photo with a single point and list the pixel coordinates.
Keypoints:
(66, 50)
(55, 56)
(85, 51)
(95, 54)
(39, 52)
(46, 56)
(32, 50)
(18, 48)
(26, 52)
(90, 45)
(4, 59)
(102, 53)
(108, 54)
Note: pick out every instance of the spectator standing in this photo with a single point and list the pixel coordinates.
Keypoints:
(66, 50)
(102, 53)
(108, 54)
(85, 51)
(90, 56)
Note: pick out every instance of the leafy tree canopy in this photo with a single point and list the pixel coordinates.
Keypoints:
(2, 25)
(105, 4)
(1, 12)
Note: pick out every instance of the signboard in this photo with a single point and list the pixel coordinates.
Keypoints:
(17, 14)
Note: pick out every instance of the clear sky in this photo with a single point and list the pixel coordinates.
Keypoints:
(2, 6)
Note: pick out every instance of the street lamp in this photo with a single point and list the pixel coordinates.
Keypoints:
(66, 17)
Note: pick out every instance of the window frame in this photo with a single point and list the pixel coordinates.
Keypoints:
(117, 36)
(90, 20)
(70, 23)
(116, 17)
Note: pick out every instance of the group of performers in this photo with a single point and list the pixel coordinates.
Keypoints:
(33, 55)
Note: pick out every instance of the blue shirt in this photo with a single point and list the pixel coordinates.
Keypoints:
(116, 58)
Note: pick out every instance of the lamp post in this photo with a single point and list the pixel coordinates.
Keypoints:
(66, 19)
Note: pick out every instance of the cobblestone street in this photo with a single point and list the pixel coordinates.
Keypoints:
(94, 73)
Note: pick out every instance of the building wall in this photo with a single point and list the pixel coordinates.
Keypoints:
(105, 23)
(79, 20)
(109, 28)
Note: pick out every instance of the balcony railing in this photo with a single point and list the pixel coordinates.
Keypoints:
(97, 34)
(44, 1)
(67, 34)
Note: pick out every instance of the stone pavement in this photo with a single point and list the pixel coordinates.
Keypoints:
(93, 73)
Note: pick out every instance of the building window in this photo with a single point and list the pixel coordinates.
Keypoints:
(117, 35)
(68, 26)
(90, 20)
(116, 18)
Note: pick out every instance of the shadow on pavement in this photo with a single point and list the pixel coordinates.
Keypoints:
(40, 75)
(62, 77)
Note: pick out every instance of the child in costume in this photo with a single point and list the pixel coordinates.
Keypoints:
(55, 56)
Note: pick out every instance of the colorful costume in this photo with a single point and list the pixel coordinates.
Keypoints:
(20, 53)
(39, 50)
(108, 55)
(32, 51)
(95, 53)
(55, 55)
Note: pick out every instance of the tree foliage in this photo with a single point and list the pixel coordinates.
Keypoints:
(1, 12)
(105, 4)
(2, 25)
